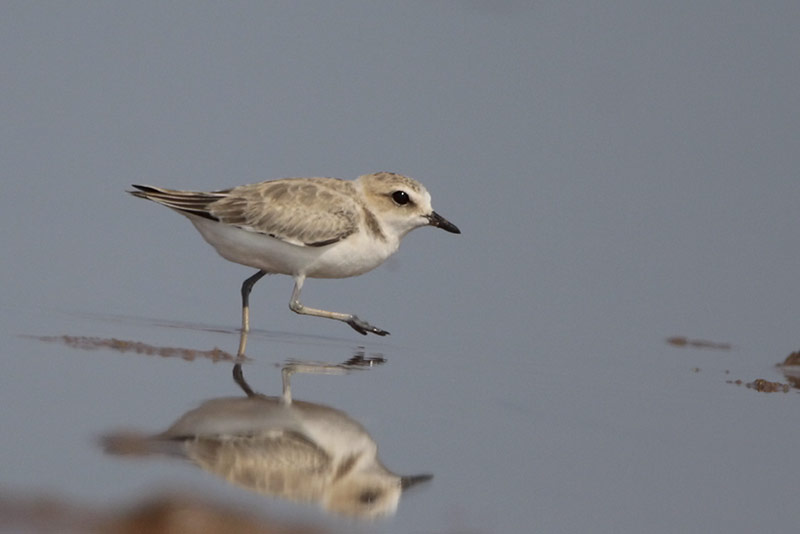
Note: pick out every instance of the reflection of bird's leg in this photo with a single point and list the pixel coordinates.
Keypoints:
(238, 377)
(242, 345)
(306, 368)
(293, 367)
(286, 375)
(362, 327)
(247, 287)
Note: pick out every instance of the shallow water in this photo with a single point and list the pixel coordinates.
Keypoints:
(624, 178)
(594, 434)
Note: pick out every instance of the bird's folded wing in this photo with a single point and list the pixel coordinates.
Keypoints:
(296, 211)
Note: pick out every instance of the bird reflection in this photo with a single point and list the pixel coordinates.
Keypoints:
(282, 447)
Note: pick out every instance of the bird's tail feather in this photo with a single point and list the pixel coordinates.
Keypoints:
(193, 202)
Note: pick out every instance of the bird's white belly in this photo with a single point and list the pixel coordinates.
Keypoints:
(350, 257)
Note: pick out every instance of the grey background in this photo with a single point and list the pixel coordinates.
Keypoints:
(621, 171)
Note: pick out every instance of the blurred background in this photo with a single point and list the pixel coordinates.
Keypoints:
(623, 173)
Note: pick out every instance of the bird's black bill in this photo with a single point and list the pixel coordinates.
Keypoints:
(440, 222)
(407, 482)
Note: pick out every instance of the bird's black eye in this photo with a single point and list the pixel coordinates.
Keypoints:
(400, 198)
(369, 496)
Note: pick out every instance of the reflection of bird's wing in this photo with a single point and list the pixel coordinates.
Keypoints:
(281, 463)
(301, 211)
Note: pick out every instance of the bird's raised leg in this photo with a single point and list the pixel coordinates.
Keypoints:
(362, 327)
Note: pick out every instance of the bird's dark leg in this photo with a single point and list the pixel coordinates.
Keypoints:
(247, 287)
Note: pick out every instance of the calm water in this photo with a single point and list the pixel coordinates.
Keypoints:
(621, 175)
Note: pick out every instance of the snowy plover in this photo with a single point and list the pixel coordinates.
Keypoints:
(307, 227)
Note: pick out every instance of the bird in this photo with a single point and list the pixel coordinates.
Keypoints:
(306, 228)
(280, 447)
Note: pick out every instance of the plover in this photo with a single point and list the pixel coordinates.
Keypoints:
(307, 228)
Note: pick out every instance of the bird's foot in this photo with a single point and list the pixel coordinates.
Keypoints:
(364, 328)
